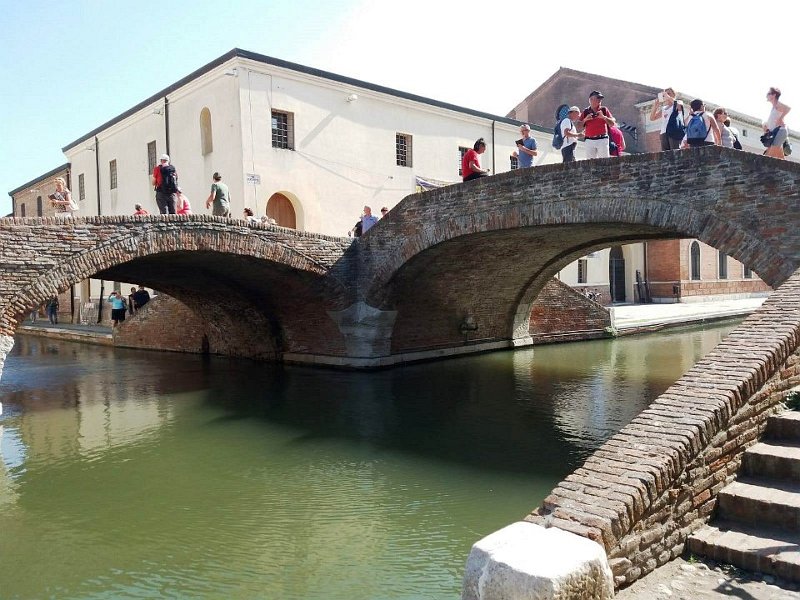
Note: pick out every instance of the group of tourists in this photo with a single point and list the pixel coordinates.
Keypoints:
(365, 221)
(679, 129)
(133, 304)
(171, 200)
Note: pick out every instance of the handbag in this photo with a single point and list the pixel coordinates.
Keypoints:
(768, 136)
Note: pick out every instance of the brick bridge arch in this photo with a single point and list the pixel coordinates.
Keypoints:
(485, 249)
(262, 290)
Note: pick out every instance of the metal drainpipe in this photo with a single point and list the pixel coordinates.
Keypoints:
(494, 170)
(166, 122)
(99, 212)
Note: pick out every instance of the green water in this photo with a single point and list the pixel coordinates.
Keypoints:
(128, 474)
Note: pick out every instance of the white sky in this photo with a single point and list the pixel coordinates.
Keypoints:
(100, 58)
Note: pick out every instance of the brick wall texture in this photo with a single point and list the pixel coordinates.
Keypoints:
(487, 248)
(655, 482)
(561, 314)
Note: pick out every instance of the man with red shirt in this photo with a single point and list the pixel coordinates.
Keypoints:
(166, 196)
(596, 120)
(471, 164)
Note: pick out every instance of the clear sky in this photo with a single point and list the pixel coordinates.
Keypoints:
(70, 66)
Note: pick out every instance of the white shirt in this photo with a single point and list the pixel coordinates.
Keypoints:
(568, 125)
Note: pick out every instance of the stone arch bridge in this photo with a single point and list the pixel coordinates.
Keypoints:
(456, 270)
(448, 271)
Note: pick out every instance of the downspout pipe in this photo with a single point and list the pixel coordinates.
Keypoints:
(166, 123)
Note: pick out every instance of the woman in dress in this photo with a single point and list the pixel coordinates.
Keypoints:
(62, 201)
(775, 123)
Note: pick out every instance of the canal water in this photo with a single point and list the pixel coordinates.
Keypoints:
(132, 474)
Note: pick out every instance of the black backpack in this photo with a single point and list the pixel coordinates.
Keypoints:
(675, 127)
(169, 179)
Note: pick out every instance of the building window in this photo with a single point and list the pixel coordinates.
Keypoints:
(514, 163)
(402, 146)
(461, 152)
(112, 167)
(39, 206)
(583, 269)
(695, 261)
(723, 265)
(82, 186)
(282, 130)
(151, 157)
(748, 274)
(206, 141)
(744, 132)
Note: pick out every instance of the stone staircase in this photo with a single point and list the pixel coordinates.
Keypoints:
(757, 526)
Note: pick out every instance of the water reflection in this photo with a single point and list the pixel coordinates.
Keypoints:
(129, 473)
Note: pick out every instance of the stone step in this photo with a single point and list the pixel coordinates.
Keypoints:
(760, 550)
(773, 459)
(784, 426)
(756, 502)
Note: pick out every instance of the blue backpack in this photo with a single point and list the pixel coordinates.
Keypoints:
(558, 138)
(696, 130)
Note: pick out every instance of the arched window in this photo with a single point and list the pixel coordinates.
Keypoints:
(206, 140)
(695, 261)
(39, 207)
(723, 265)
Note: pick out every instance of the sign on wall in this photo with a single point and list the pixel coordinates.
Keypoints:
(253, 178)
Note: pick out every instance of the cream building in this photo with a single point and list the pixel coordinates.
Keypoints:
(304, 146)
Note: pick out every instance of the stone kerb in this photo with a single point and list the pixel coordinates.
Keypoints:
(742, 204)
(655, 482)
(46, 255)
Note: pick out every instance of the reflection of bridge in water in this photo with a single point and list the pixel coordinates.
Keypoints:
(479, 254)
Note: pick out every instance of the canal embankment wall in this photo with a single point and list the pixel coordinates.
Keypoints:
(650, 486)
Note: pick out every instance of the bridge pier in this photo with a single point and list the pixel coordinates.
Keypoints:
(6, 343)
(367, 330)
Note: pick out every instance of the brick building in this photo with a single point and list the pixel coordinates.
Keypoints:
(30, 199)
(675, 271)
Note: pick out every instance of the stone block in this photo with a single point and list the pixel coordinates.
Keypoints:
(524, 561)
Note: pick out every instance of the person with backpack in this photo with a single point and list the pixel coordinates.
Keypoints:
(701, 128)
(596, 120)
(165, 182)
(670, 110)
(567, 134)
(775, 124)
